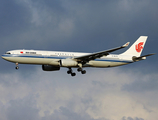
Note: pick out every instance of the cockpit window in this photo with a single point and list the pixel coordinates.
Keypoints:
(7, 53)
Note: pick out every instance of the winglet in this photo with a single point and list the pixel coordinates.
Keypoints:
(125, 45)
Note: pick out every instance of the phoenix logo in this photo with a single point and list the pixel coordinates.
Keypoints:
(139, 47)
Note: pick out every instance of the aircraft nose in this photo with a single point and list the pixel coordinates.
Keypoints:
(3, 56)
(7, 57)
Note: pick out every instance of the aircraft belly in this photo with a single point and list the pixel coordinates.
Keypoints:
(26, 60)
(105, 63)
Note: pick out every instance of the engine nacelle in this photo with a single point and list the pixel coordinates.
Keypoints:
(68, 63)
(50, 68)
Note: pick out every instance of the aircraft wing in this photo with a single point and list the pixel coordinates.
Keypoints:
(93, 56)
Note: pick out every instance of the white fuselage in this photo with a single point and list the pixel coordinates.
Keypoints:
(53, 58)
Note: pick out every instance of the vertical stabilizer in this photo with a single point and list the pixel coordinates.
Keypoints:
(137, 48)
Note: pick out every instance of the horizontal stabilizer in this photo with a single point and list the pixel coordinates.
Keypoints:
(142, 57)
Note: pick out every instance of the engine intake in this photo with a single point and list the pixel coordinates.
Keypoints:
(50, 68)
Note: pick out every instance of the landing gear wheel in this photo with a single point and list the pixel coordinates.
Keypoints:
(79, 69)
(83, 72)
(16, 67)
(73, 74)
(69, 72)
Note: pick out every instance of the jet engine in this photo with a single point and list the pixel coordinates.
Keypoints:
(68, 63)
(50, 68)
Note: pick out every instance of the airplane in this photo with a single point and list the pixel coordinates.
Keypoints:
(54, 60)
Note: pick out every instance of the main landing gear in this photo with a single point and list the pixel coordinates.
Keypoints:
(71, 72)
(17, 67)
(81, 70)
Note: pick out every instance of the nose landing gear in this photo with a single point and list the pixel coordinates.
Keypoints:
(17, 67)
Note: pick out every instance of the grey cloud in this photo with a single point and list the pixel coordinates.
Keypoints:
(72, 26)
(92, 22)
(47, 95)
(142, 84)
(22, 109)
(66, 114)
(130, 118)
(14, 18)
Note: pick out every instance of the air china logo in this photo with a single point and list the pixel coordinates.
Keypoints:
(139, 47)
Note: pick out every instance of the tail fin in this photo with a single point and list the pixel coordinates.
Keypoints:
(137, 48)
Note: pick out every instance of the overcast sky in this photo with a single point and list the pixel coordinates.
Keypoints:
(123, 93)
